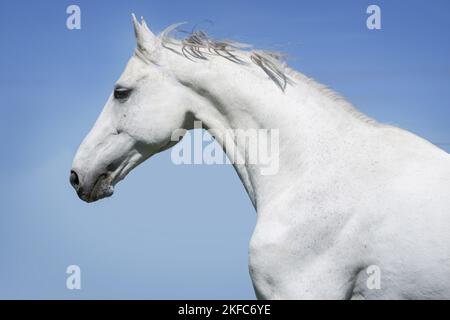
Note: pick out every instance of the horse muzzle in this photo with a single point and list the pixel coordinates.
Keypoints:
(91, 190)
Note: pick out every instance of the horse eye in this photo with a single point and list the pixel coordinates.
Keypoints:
(121, 93)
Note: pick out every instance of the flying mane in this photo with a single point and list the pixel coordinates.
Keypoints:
(198, 45)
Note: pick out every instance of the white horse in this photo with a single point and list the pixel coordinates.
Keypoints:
(357, 209)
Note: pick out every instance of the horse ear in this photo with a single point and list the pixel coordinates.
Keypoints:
(144, 25)
(144, 37)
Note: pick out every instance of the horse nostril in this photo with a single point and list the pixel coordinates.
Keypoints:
(74, 181)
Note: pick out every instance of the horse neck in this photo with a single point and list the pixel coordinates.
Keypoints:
(309, 121)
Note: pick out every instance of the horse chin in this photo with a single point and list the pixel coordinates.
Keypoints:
(101, 195)
(101, 190)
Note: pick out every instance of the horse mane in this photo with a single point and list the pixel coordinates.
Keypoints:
(333, 95)
(198, 45)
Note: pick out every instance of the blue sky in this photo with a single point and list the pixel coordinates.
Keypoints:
(177, 231)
